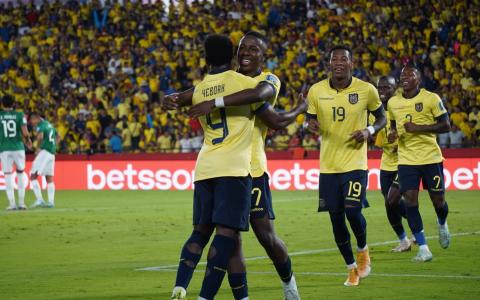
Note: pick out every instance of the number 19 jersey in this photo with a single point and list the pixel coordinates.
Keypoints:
(226, 149)
(11, 123)
(339, 113)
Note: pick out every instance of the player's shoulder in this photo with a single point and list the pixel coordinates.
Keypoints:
(240, 78)
(320, 85)
(428, 95)
(268, 76)
(358, 83)
(394, 100)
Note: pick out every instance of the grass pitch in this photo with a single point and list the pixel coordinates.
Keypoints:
(92, 245)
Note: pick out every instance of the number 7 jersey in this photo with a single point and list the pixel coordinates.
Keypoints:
(11, 123)
(339, 114)
(228, 131)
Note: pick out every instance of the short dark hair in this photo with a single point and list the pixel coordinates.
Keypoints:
(218, 50)
(8, 101)
(258, 35)
(35, 114)
(341, 47)
(412, 65)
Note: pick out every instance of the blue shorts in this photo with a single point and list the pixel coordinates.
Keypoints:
(223, 201)
(388, 179)
(340, 190)
(431, 176)
(261, 198)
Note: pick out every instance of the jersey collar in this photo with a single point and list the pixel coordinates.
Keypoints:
(331, 86)
(218, 70)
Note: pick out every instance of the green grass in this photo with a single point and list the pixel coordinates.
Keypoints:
(91, 244)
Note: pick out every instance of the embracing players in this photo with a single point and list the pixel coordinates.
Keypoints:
(44, 162)
(13, 136)
(394, 204)
(251, 55)
(338, 108)
(416, 117)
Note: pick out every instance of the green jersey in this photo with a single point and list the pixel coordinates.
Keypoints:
(49, 141)
(11, 123)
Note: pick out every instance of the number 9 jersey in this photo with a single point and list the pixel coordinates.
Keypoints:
(339, 114)
(228, 131)
(11, 123)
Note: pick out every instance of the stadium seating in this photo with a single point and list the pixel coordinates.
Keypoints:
(100, 73)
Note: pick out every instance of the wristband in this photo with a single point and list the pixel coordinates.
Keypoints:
(219, 102)
(371, 129)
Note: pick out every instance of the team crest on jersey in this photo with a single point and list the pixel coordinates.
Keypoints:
(419, 106)
(353, 98)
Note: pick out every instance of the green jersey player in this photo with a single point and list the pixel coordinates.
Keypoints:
(44, 163)
(13, 135)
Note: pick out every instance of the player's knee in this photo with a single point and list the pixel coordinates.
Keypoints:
(49, 179)
(411, 198)
(33, 176)
(353, 212)
(267, 240)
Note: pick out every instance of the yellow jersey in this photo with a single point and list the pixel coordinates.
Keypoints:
(389, 160)
(228, 131)
(259, 158)
(339, 113)
(417, 148)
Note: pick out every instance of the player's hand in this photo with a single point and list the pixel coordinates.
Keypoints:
(302, 104)
(360, 135)
(201, 109)
(170, 102)
(411, 127)
(313, 126)
(392, 136)
(29, 145)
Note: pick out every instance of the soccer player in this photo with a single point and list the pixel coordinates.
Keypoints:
(338, 108)
(251, 56)
(394, 204)
(13, 135)
(44, 162)
(416, 116)
(222, 181)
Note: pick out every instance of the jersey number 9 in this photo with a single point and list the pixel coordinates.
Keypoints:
(9, 128)
(221, 125)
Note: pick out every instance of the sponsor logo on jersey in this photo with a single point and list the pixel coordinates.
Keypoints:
(353, 98)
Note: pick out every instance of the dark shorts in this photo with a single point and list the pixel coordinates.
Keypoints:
(261, 200)
(223, 201)
(431, 175)
(388, 179)
(340, 190)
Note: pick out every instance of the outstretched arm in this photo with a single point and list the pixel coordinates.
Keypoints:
(279, 120)
(441, 126)
(178, 100)
(262, 92)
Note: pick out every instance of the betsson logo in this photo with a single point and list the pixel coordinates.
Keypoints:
(294, 177)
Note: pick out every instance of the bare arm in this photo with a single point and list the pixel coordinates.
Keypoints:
(178, 100)
(392, 135)
(26, 137)
(262, 92)
(441, 126)
(279, 120)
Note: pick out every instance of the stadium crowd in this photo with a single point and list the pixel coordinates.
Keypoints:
(99, 73)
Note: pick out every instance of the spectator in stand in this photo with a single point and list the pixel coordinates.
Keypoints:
(456, 137)
(309, 142)
(164, 142)
(281, 140)
(115, 142)
(197, 140)
(444, 139)
(186, 143)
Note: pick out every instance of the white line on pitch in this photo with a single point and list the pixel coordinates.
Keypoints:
(307, 252)
(343, 274)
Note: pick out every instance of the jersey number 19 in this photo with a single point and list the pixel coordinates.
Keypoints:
(9, 128)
